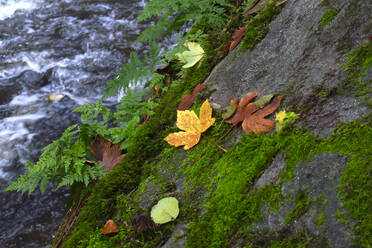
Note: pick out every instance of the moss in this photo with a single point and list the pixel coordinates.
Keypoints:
(221, 187)
(147, 143)
(232, 206)
(302, 203)
(328, 16)
(258, 26)
(358, 61)
(285, 238)
(355, 188)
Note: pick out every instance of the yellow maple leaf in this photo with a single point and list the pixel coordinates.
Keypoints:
(193, 126)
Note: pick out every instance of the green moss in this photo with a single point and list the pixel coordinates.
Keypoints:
(232, 206)
(284, 238)
(302, 203)
(358, 61)
(147, 143)
(355, 188)
(328, 16)
(258, 26)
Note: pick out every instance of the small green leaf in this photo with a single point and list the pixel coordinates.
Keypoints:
(263, 101)
(229, 111)
(192, 56)
(166, 210)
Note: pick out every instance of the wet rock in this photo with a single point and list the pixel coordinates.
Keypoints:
(318, 178)
(322, 118)
(7, 92)
(272, 174)
(34, 80)
(175, 241)
(59, 117)
(296, 58)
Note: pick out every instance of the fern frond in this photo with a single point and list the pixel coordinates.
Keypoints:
(173, 14)
(135, 71)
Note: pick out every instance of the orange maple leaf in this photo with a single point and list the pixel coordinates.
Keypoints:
(192, 125)
(256, 122)
(243, 108)
(253, 117)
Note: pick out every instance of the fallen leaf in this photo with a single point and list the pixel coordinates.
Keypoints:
(256, 122)
(198, 88)
(263, 101)
(242, 108)
(106, 153)
(238, 35)
(229, 111)
(186, 102)
(190, 57)
(247, 98)
(110, 228)
(165, 211)
(192, 125)
(188, 99)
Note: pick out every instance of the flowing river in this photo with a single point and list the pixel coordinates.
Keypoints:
(71, 47)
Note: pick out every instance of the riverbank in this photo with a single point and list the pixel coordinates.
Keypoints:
(307, 186)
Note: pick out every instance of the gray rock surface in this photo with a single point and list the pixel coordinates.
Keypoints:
(296, 58)
(272, 174)
(317, 177)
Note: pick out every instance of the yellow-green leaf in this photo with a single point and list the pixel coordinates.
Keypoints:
(190, 57)
(166, 210)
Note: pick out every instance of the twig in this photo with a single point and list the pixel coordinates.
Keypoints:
(223, 149)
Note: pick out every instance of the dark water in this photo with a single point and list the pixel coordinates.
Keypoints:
(51, 46)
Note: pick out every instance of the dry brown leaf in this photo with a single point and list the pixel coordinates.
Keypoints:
(242, 108)
(106, 153)
(188, 99)
(186, 102)
(98, 146)
(192, 125)
(247, 98)
(256, 122)
(238, 35)
(110, 228)
(198, 88)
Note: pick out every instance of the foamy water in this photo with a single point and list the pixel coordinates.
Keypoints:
(69, 47)
(9, 7)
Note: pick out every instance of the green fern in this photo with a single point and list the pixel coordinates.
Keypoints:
(62, 162)
(134, 72)
(173, 14)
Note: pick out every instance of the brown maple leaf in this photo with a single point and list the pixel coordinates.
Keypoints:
(243, 108)
(238, 35)
(106, 153)
(188, 99)
(256, 122)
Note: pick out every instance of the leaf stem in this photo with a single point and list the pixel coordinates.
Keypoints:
(223, 149)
